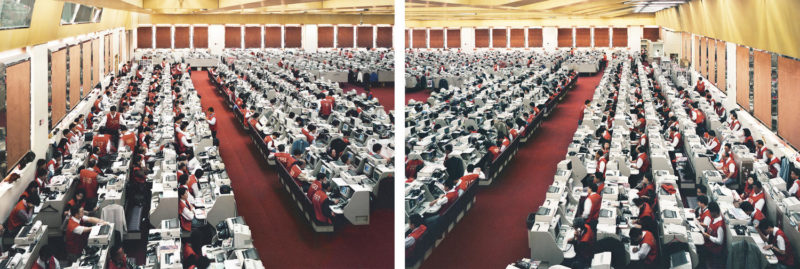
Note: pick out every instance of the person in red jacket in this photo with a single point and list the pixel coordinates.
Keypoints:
(322, 203)
(417, 229)
(316, 185)
(647, 251)
(646, 219)
(714, 235)
(591, 206)
(76, 235)
(21, 214)
(88, 181)
(756, 216)
(118, 259)
(46, 259)
(584, 240)
(777, 242)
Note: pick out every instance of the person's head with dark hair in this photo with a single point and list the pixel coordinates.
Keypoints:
(702, 190)
(321, 177)
(326, 185)
(183, 179)
(113, 108)
(199, 173)
(593, 187)
(747, 132)
(713, 209)
(711, 133)
(747, 207)
(76, 211)
(757, 187)
(635, 234)
(183, 194)
(765, 227)
(92, 163)
(702, 201)
(760, 143)
(281, 148)
(640, 149)
(448, 185)
(376, 148)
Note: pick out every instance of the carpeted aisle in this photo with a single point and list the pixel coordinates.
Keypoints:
(282, 236)
(421, 96)
(493, 233)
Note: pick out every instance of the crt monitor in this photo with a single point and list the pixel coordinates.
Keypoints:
(345, 127)
(345, 191)
(361, 137)
(368, 168)
(250, 254)
(325, 170)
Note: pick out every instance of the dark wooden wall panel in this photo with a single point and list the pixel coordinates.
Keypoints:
(481, 38)
(181, 37)
(788, 98)
(384, 37)
(252, 37)
(86, 49)
(453, 38)
(408, 37)
(620, 37)
(74, 76)
(233, 37)
(95, 61)
(517, 38)
(325, 36)
(652, 34)
(721, 66)
(742, 77)
(200, 38)
(583, 37)
(272, 37)
(564, 37)
(420, 38)
(499, 38)
(364, 36)
(344, 37)
(762, 88)
(601, 37)
(58, 82)
(18, 101)
(144, 37)
(437, 38)
(163, 37)
(535, 38)
(293, 37)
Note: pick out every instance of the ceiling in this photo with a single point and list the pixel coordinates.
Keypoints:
(321, 7)
(422, 10)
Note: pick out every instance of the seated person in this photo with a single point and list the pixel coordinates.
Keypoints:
(21, 214)
(322, 204)
(701, 213)
(416, 230)
(283, 157)
(465, 180)
(46, 259)
(729, 169)
(646, 189)
(118, 259)
(756, 198)
(77, 235)
(714, 235)
(316, 185)
(756, 217)
(584, 240)
(794, 177)
(185, 210)
(646, 220)
(78, 200)
(777, 242)
(647, 251)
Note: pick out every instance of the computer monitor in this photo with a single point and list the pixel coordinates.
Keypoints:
(250, 254)
(345, 127)
(325, 170)
(361, 137)
(345, 191)
(310, 160)
(368, 169)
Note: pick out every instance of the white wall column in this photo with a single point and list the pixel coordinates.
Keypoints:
(549, 38)
(309, 41)
(467, 38)
(635, 34)
(216, 38)
(730, 69)
(39, 90)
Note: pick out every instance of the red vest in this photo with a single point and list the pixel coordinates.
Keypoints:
(74, 242)
(758, 215)
(51, 264)
(181, 146)
(754, 198)
(712, 230)
(604, 162)
(587, 239)
(130, 140)
(797, 194)
(647, 238)
(760, 153)
(594, 213)
(466, 180)
(14, 220)
(112, 121)
(700, 116)
(728, 163)
(718, 146)
(190, 184)
(645, 163)
(705, 214)
(313, 188)
(735, 124)
(283, 158)
(646, 212)
(772, 170)
(308, 135)
(295, 171)
(495, 152)
(101, 141)
(417, 233)
(317, 200)
(326, 107)
(788, 258)
(186, 224)
(91, 186)
(212, 127)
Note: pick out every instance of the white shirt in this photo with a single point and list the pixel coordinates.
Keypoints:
(80, 229)
(185, 141)
(760, 204)
(779, 240)
(711, 144)
(213, 121)
(587, 207)
(794, 188)
(187, 213)
(675, 141)
(720, 233)
(644, 249)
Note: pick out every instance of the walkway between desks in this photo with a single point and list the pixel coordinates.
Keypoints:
(493, 234)
(283, 238)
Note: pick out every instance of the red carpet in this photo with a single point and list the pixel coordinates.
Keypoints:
(284, 239)
(385, 95)
(421, 96)
(493, 233)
